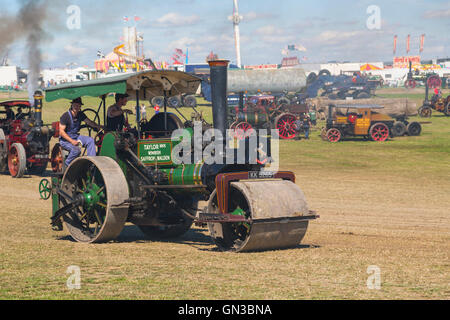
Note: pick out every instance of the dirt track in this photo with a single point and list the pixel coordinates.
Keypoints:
(401, 227)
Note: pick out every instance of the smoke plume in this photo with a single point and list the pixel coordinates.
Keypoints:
(28, 25)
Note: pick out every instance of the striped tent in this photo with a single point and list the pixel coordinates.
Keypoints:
(368, 67)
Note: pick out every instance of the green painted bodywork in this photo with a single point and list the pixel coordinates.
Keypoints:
(96, 88)
(55, 196)
(109, 150)
(185, 174)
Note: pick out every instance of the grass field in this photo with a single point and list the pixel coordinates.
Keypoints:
(380, 204)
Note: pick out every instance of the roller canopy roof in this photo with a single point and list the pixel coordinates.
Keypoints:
(148, 83)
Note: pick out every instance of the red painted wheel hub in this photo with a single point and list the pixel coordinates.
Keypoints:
(243, 130)
(286, 127)
(333, 135)
(379, 132)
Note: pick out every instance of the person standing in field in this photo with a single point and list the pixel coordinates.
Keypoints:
(143, 112)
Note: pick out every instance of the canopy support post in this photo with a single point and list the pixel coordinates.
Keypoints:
(138, 114)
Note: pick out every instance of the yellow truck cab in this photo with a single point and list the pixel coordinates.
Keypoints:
(357, 120)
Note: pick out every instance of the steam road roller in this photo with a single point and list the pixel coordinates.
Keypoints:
(137, 177)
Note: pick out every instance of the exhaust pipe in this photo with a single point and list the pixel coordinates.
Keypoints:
(38, 96)
(218, 74)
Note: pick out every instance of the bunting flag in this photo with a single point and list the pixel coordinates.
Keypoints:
(408, 39)
(395, 44)
(422, 40)
(179, 52)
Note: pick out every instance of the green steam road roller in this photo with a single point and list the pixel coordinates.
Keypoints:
(137, 176)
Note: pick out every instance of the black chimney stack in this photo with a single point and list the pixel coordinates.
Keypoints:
(218, 74)
(38, 96)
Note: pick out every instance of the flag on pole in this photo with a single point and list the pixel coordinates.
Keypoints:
(136, 18)
(125, 19)
(422, 40)
(408, 39)
(395, 44)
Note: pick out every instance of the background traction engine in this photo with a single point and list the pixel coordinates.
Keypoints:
(137, 180)
(24, 143)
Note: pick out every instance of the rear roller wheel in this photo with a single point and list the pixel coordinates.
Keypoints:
(379, 132)
(17, 160)
(101, 184)
(270, 205)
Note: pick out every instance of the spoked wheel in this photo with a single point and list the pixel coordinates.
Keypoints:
(272, 207)
(447, 108)
(410, 84)
(57, 159)
(17, 160)
(285, 124)
(334, 135)
(45, 189)
(399, 129)
(99, 188)
(414, 128)
(379, 132)
(243, 130)
(434, 81)
(425, 112)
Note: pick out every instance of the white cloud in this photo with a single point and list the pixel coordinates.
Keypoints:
(436, 14)
(272, 34)
(75, 50)
(175, 19)
(252, 16)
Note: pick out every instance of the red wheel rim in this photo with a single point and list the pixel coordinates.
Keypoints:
(57, 161)
(334, 135)
(13, 161)
(434, 82)
(380, 132)
(243, 130)
(410, 84)
(286, 127)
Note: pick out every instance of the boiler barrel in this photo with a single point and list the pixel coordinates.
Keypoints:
(276, 80)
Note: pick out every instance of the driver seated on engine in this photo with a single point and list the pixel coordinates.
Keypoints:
(115, 119)
(69, 129)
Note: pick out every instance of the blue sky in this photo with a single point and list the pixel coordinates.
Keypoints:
(329, 30)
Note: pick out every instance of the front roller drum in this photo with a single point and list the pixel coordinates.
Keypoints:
(101, 185)
(277, 211)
